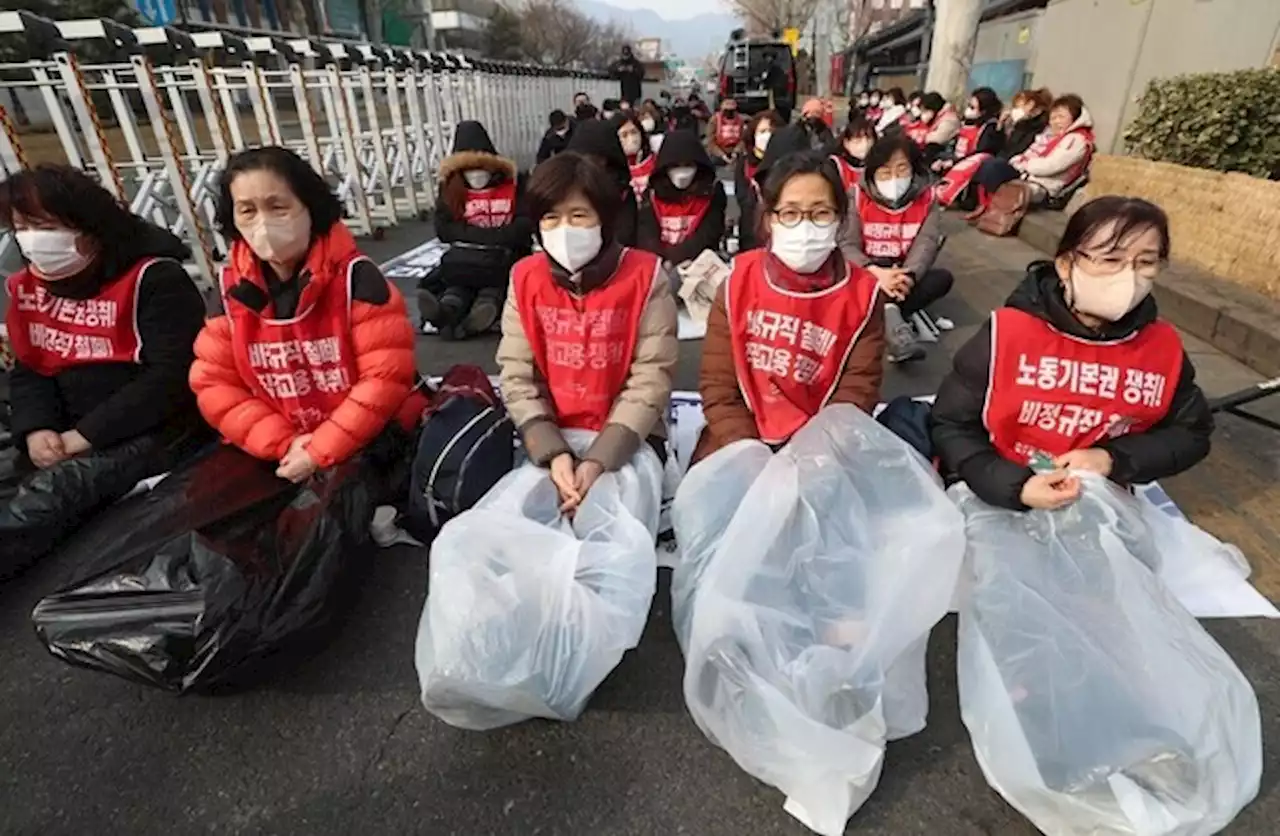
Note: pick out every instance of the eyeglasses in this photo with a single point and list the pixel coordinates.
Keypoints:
(822, 216)
(1109, 265)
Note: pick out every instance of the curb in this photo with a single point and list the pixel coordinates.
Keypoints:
(1239, 322)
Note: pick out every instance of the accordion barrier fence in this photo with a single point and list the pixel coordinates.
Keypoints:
(376, 121)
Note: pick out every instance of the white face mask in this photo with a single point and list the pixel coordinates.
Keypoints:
(648, 124)
(1017, 114)
(804, 247)
(52, 252)
(1107, 297)
(863, 101)
(279, 240)
(631, 144)
(762, 140)
(607, 114)
(682, 175)
(572, 246)
(895, 188)
(477, 178)
(915, 111)
(971, 113)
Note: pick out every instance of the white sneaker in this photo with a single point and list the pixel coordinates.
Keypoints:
(901, 337)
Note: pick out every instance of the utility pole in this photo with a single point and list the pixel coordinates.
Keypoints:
(955, 29)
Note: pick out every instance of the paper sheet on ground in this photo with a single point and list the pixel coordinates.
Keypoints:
(1211, 590)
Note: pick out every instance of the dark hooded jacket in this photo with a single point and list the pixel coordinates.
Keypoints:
(682, 148)
(112, 402)
(792, 139)
(478, 256)
(600, 140)
(961, 439)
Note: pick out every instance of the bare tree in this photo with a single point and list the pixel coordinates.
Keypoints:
(773, 15)
(556, 33)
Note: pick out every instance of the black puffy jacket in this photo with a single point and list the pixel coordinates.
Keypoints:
(1175, 444)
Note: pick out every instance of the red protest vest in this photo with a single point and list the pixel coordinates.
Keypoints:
(728, 132)
(889, 233)
(850, 175)
(491, 207)
(873, 114)
(967, 139)
(51, 334)
(677, 220)
(917, 132)
(790, 349)
(958, 177)
(583, 345)
(641, 172)
(304, 366)
(1052, 393)
(1044, 145)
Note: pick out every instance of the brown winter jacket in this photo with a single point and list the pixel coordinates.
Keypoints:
(640, 411)
(726, 412)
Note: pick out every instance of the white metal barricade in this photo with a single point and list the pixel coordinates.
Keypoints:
(156, 122)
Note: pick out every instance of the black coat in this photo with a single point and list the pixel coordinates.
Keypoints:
(1175, 444)
(1022, 134)
(682, 148)
(109, 403)
(791, 139)
(481, 257)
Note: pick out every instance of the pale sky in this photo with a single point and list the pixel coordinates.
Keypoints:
(673, 9)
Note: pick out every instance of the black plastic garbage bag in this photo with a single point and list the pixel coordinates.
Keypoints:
(220, 567)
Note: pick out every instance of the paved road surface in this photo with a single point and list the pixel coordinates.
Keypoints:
(340, 744)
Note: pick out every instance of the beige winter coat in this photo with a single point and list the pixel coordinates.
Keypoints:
(638, 414)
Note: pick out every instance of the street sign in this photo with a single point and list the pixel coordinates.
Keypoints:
(158, 12)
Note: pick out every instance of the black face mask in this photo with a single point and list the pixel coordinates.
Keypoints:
(729, 114)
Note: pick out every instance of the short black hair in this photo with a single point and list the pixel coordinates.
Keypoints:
(565, 173)
(610, 104)
(1130, 214)
(933, 101)
(989, 104)
(793, 165)
(887, 146)
(585, 112)
(304, 181)
(896, 95)
(858, 126)
(557, 119)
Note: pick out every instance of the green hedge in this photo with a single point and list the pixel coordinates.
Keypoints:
(1222, 121)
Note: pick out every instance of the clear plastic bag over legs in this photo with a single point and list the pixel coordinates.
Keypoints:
(1095, 702)
(808, 584)
(529, 611)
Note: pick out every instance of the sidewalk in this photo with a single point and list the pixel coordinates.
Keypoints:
(1235, 493)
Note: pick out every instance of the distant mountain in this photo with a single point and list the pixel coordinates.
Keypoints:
(691, 39)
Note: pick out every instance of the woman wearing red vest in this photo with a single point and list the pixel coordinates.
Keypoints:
(760, 131)
(101, 320)
(640, 155)
(588, 332)
(1076, 368)
(795, 327)
(980, 138)
(851, 157)
(940, 124)
(896, 231)
(1058, 158)
(481, 217)
(726, 131)
(312, 355)
(683, 213)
